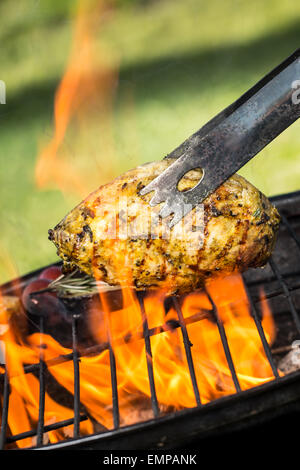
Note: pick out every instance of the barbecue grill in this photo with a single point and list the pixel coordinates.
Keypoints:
(280, 280)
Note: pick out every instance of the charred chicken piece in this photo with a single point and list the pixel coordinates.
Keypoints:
(115, 236)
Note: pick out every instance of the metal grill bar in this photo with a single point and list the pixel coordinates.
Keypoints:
(286, 292)
(40, 427)
(115, 399)
(5, 406)
(225, 344)
(187, 347)
(47, 428)
(261, 332)
(113, 369)
(97, 349)
(154, 402)
(76, 361)
(285, 288)
(276, 292)
(113, 377)
(272, 278)
(290, 229)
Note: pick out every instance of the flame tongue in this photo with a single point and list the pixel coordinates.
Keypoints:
(82, 111)
(123, 328)
(171, 373)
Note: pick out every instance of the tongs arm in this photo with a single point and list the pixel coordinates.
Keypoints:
(230, 140)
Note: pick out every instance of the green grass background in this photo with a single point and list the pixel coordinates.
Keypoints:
(179, 63)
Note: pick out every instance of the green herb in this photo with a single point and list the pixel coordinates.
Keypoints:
(257, 213)
(76, 284)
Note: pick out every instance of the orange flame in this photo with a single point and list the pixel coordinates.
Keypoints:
(173, 383)
(83, 99)
(88, 85)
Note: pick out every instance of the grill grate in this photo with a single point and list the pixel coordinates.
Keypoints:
(187, 347)
(286, 205)
(261, 333)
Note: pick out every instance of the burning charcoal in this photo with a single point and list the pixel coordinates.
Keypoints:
(291, 362)
(138, 409)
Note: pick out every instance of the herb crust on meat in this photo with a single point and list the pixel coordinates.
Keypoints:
(238, 231)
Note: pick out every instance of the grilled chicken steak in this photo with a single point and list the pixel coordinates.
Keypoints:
(115, 236)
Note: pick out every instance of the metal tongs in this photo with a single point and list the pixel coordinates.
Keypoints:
(230, 140)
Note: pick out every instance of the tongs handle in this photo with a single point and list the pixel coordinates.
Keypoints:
(231, 139)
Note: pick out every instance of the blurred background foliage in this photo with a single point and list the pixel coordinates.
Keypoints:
(174, 64)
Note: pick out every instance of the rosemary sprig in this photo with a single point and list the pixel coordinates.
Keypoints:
(76, 284)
